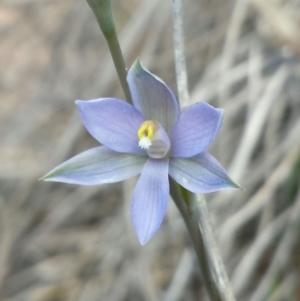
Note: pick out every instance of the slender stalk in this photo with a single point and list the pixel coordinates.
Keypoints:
(103, 12)
(191, 220)
(116, 53)
(217, 268)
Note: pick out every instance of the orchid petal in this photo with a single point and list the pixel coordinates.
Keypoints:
(95, 166)
(150, 199)
(151, 96)
(112, 122)
(200, 174)
(195, 129)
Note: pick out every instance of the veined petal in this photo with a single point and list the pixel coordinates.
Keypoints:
(195, 129)
(151, 96)
(150, 199)
(95, 166)
(200, 174)
(112, 122)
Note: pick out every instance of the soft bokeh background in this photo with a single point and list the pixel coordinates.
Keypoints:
(60, 242)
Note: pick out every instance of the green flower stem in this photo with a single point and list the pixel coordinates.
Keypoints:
(186, 205)
(103, 12)
(215, 260)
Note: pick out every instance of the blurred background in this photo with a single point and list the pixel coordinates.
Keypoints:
(60, 242)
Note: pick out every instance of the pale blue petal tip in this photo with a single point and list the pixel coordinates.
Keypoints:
(96, 166)
(150, 199)
(200, 174)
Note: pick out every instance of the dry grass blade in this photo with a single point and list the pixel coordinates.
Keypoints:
(258, 201)
(282, 255)
(256, 123)
(250, 261)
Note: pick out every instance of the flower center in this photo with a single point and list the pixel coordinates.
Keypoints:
(154, 139)
(146, 133)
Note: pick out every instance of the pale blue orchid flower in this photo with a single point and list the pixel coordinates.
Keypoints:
(151, 138)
